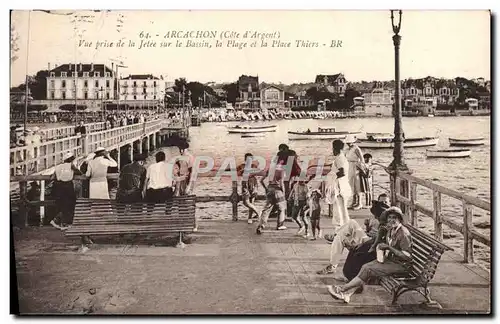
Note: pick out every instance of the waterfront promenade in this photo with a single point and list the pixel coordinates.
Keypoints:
(226, 269)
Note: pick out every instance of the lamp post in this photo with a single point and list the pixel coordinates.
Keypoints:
(398, 164)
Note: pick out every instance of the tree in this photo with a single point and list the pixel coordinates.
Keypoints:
(232, 93)
(349, 96)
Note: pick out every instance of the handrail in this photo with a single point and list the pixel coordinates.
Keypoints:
(409, 184)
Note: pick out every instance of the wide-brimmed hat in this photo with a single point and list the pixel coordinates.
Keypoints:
(68, 156)
(393, 210)
(350, 139)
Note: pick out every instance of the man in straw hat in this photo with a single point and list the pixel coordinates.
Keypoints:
(64, 190)
(97, 170)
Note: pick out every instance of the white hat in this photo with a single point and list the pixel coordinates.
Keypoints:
(99, 149)
(68, 155)
(349, 139)
(90, 157)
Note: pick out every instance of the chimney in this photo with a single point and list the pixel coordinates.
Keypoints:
(48, 66)
(91, 67)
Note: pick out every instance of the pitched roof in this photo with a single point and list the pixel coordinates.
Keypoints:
(320, 78)
(81, 68)
(141, 77)
(272, 86)
(245, 80)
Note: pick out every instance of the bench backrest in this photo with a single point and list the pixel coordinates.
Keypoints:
(426, 253)
(180, 210)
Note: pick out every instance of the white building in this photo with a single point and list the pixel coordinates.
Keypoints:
(91, 82)
(378, 102)
(142, 90)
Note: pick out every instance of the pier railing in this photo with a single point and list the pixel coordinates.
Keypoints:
(32, 159)
(406, 191)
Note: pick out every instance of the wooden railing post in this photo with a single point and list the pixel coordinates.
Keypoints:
(468, 241)
(413, 200)
(234, 200)
(438, 222)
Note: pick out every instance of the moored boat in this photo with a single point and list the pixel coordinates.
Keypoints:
(381, 142)
(321, 134)
(252, 129)
(466, 141)
(448, 153)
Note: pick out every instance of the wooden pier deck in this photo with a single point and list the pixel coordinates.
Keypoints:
(226, 269)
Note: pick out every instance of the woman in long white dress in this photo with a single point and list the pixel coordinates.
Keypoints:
(355, 157)
(97, 170)
(338, 190)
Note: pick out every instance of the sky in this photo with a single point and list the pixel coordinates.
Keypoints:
(437, 43)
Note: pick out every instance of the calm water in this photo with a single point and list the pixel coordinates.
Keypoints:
(468, 175)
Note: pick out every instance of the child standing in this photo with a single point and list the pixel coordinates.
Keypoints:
(314, 211)
(366, 175)
(298, 200)
(249, 185)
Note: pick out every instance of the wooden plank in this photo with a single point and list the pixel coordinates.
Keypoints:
(468, 240)
(483, 204)
(438, 224)
(424, 210)
(413, 200)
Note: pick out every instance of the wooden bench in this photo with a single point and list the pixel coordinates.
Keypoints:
(96, 217)
(426, 253)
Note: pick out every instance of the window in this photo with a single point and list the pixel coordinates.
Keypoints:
(73, 74)
(97, 83)
(145, 97)
(107, 95)
(135, 84)
(97, 94)
(97, 74)
(85, 83)
(143, 90)
(52, 95)
(154, 84)
(64, 94)
(52, 84)
(74, 83)
(85, 74)
(64, 74)
(135, 97)
(85, 95)
(107, 83)
(107, 75)
(63, 83)
(52, 74)
(154, 97)
(145, 84)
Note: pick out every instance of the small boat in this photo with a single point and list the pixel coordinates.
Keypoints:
(252, 129)
(466, 141)
(448, 153)
(321, 134)
(385, 142)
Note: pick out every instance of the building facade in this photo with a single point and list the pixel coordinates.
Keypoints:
(378, 102)
(85, 81)
(142, 90)
(248, 93)
(335, 83)
(272, 97)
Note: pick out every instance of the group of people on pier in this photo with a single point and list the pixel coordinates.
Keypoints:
(157, 183)
(380, 249)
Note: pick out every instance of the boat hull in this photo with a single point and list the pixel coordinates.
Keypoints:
(318, 135)
(384, 144)
(252, 130)
(466, 142)
(448, 153)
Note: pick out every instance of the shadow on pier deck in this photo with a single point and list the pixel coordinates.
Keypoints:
(226, 269)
